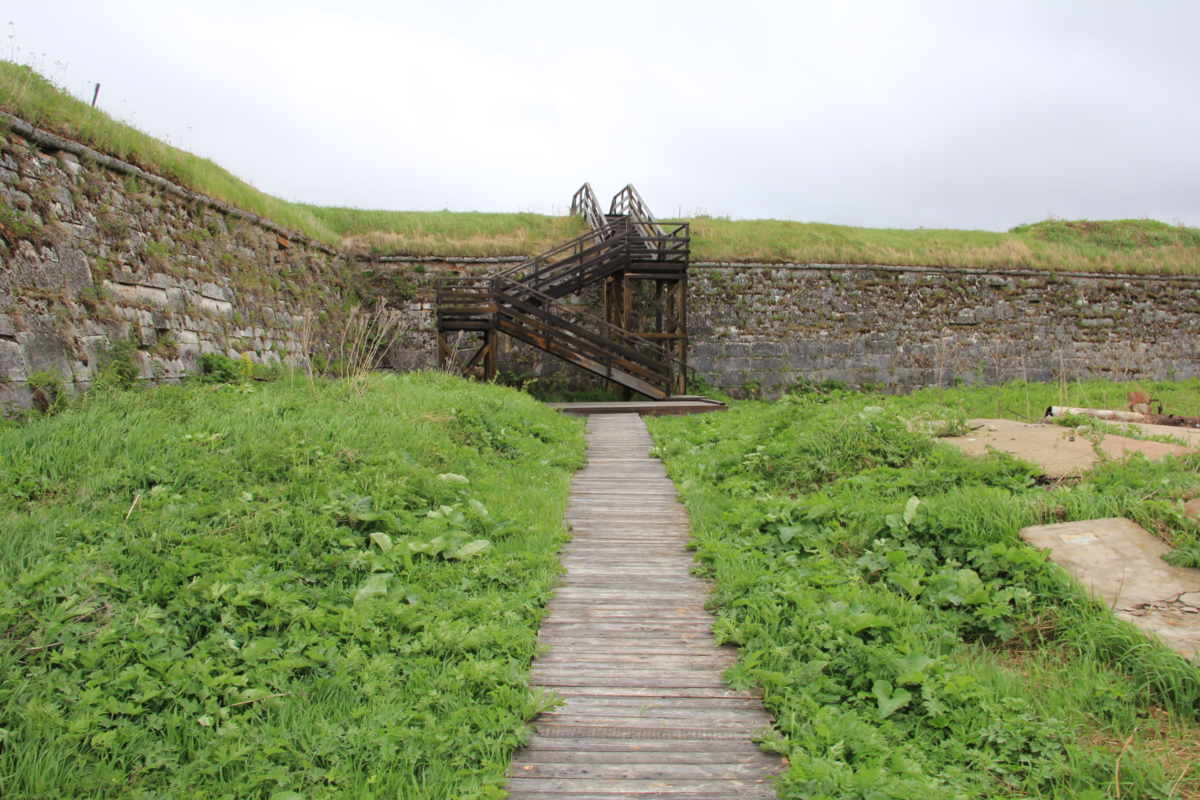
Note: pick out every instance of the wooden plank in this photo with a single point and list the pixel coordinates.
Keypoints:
(635, 771)
(627, 786)
(592, 755)
(654, 748)
(758, 793)
(749, 721)
(662, 703)
(617, 681)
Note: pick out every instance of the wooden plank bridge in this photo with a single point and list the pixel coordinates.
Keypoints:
(640, 344)
(632, 652)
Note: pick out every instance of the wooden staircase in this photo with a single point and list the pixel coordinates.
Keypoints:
(640, 346)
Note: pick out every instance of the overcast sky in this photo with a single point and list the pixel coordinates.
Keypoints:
(963, 114)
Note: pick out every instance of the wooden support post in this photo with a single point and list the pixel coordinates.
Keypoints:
(627, 303)
(681, 316)
(491, 338)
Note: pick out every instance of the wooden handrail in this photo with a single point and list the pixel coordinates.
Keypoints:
(587, 205)
(462, 300)
(629, 202)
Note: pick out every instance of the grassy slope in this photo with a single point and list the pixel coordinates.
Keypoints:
(891, 672)
(447, 233)
(236, 633)
(1139, 246)
(31, 97)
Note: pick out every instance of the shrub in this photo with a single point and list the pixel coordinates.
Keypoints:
(49, 391)
(216, 368)
(119, 365)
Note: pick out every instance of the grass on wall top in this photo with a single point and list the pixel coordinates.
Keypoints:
(26, 94)
(1127, 246)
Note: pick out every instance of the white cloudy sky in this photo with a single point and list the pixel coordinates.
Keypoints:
(899, 114)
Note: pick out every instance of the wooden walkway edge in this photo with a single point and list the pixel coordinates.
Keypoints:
(631, 650)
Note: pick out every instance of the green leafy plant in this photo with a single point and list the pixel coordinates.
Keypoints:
(266, 591)
(118, 364)
(876, 585)
(217, 368)
(49, 391)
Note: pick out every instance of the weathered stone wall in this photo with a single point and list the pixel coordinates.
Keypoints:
(759, 329)
(91, 253)
(92, 250)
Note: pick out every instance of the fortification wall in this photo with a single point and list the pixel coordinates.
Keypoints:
(760, 328)
(94, 250)
(757, 329)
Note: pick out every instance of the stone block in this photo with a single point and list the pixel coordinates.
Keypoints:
(44, 351)
(75, 268)
(769, 349)
(737, 349)
(215, 292)
(145, 366)
(94, 347)
(6, 326)
(12, 363)
(177, 300)
(137, 294)
(40, 323)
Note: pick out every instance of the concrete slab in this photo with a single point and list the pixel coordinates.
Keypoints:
(1189, 436)
(1120, 562)
(1059, 451)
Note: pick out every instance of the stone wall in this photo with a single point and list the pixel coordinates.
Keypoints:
(92, 250)
(758, 329)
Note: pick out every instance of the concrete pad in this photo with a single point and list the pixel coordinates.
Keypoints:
(1059, 451)
(1120, 562)
(1192, 508)
(1189, 436)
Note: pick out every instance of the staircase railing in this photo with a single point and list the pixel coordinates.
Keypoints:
(522, 301)
(587, 205)
(574, 264)
(561, 329)
(629, 203)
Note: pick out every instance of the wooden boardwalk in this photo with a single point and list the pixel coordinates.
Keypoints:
(632, 652)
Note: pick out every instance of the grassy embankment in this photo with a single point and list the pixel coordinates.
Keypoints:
(1135, 246)
(909, 644)
(278, 591)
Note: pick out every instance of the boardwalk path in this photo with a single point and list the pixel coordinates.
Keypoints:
(646, 714)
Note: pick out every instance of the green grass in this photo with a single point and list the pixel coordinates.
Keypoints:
(446, 233)
(1028, 402)
(249, 590)
(908, 643)
(1128, 246)
(26, 94)
(1133, 246)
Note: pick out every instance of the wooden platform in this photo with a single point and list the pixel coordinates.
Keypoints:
(631, 650)
(650, 408)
